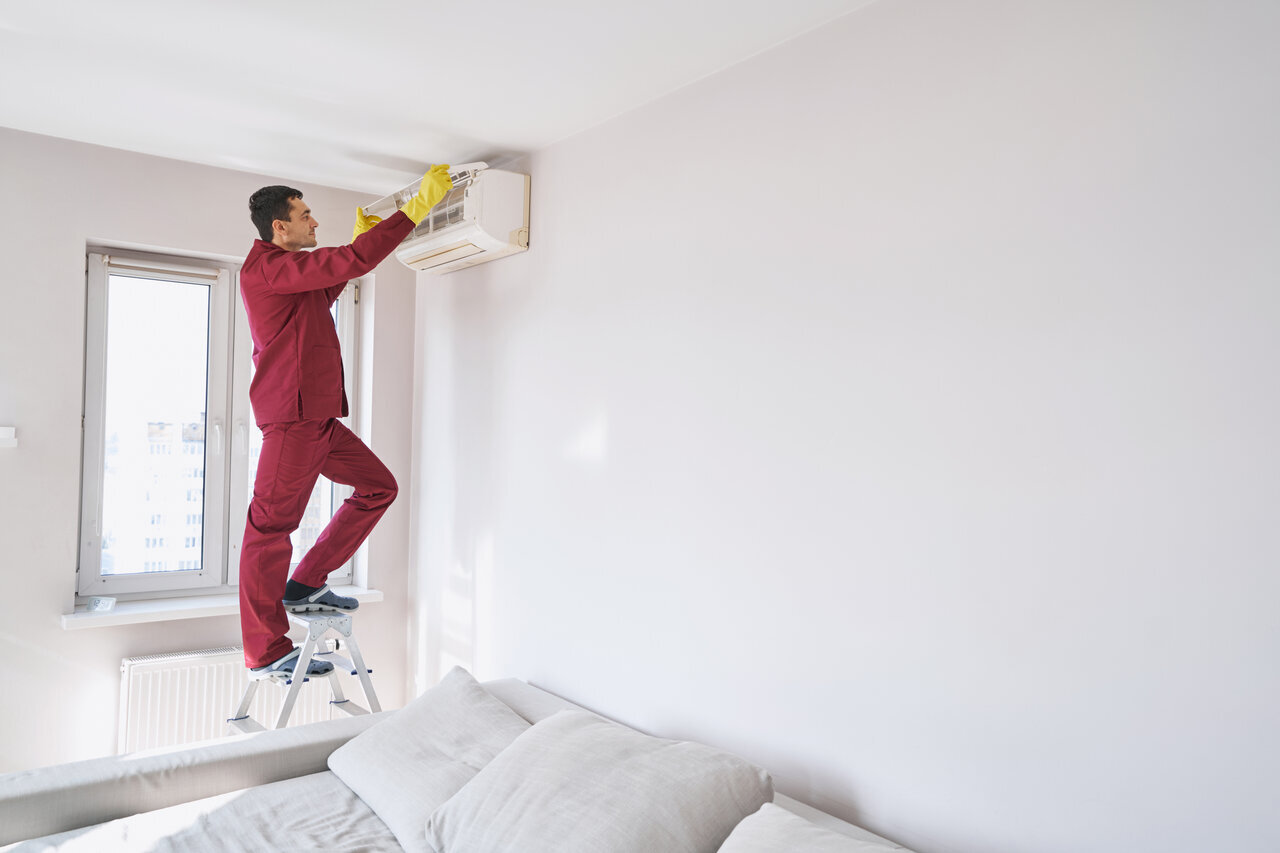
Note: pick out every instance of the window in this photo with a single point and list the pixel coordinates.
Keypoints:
(170, 445)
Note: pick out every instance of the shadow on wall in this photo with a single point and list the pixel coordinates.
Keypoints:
(456, 611)
(463, 567)
(474, 310)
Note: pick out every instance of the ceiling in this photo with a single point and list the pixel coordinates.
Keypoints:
(363, 96)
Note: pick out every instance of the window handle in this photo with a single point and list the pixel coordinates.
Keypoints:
(240, 439)
(215, 431)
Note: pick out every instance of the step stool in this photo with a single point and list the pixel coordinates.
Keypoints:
(315, 646)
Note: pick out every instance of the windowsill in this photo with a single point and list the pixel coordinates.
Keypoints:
(190, 607)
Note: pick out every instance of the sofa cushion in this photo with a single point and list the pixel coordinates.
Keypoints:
(776, 830)
(420, 756)
(577, 783)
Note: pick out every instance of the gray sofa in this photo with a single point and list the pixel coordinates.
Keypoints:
(465, 768)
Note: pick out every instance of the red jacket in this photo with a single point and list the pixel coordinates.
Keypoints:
(297, 361)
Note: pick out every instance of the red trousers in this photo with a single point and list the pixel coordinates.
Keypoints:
(293, 456)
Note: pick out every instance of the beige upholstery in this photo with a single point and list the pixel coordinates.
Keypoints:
(54, 799)
(308, 813)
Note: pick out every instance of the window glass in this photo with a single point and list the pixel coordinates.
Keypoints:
(156, 399)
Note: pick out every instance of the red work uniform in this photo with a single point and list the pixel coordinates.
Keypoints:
(297, 395)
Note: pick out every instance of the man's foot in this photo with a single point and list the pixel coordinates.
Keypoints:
(286, 664)
(322, 599)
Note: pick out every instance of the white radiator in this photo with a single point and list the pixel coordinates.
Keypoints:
(183, 697)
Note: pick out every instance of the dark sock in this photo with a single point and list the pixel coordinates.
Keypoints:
(294, 590)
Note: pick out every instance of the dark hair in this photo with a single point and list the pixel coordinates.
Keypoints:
(269, 204)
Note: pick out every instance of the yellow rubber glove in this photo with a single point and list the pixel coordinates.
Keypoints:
(435, 184)
(363, 223)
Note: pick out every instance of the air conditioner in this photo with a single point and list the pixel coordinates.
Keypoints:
(484, 217)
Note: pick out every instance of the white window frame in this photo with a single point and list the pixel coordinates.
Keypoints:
(228, 418)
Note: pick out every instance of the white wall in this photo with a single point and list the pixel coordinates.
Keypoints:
(898, 409)
(62, 687)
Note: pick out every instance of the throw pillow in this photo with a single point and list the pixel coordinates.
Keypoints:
(407, 765)
(775, 830)
(577, 783)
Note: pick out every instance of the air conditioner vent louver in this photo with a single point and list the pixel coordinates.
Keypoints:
(444, 255)
(483, 218)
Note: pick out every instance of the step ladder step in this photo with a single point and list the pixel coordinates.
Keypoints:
(339, 662)
(247, 726)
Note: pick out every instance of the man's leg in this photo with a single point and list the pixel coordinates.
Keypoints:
(291, 458)
(351, 463)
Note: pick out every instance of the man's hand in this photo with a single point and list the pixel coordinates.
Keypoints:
(363, 223)
(435, 184)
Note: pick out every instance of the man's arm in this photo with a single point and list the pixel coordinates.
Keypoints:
(324, 269)
(364, 222)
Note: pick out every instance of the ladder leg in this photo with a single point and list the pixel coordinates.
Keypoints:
(245, 701)
(290, 697)
(299, 678)
(362, 672)
(335, 687)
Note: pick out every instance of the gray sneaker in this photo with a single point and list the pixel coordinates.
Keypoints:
(286, 665)
(322, 599)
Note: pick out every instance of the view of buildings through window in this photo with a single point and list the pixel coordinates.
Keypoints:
(154, 519)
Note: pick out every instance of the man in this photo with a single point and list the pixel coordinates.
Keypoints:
(297, 395)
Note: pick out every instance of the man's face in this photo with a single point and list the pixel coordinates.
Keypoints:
(300, 231)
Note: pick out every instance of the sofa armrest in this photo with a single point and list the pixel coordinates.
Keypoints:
(34, 803)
